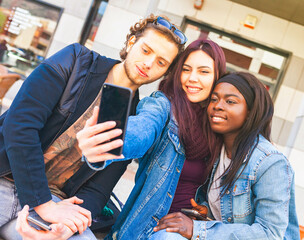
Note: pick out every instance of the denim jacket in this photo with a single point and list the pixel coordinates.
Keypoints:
(260, 204)
(151, 136)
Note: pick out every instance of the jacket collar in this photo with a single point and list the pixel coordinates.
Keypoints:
(102, 64)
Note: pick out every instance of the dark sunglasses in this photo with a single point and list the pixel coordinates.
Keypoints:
(164, 22)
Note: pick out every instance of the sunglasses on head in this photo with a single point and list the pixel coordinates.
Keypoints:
(164, 22)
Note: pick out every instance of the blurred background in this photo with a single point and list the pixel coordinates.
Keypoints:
(263, 37)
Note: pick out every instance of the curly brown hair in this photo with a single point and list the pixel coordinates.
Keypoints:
(139, 28)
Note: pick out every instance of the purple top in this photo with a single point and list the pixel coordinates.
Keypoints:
(192, 176)
(194, 171)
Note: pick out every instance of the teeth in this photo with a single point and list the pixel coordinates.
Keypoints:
(193, 89)
(217, 118)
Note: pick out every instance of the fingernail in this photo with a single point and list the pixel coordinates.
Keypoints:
(118, 131)
(119, 143)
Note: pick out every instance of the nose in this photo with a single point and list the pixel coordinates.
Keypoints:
(193, 77)
(149, 62)
(219, 105)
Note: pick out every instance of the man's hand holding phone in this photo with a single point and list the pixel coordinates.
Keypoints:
(98, 140)
(94, 139)
(58, 231)
(67, 212)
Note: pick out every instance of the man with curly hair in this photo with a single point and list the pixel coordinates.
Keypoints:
(40, 162)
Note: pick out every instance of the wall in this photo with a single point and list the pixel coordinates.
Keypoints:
(71, 22)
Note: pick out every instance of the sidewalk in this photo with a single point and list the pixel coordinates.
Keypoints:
(126, 183)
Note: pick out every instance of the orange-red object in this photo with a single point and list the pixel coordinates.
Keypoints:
(198, 4)
(301, 232)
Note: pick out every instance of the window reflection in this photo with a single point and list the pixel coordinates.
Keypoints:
(90, 29)
(26, 31)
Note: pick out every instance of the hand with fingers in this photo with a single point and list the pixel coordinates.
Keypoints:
(59, 231)
(201, 209)
(176, 222)
(66, 212)
(94, 139)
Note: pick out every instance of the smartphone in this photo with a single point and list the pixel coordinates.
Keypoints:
(192, 213)
(39, 223)
(115, 106)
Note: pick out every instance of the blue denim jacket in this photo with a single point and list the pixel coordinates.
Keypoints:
(151, 136)
(260, 204)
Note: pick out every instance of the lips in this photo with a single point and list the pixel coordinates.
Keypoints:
(193, 90)
(218, 118)
(141, 72)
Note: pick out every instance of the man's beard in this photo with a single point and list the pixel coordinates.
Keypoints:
(128, 71)
(133, 79)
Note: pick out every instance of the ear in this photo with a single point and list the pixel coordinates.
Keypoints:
(248, 114)
(131, 43)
